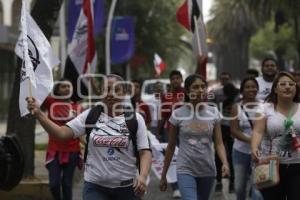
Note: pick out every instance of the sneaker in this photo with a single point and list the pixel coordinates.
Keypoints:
(176, 194)
(219, 187)
(231, 188)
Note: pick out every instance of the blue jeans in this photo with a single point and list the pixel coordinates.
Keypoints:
(92, 191)
(195, 188)
(242, 164)
(61, 177)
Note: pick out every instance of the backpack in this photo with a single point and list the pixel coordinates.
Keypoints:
(130, 120)
(11, 162)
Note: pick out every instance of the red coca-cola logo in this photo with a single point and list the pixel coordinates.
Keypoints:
(111, 141)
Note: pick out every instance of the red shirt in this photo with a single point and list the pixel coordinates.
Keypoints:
(168, 103)
(60, 112)
(144, 110)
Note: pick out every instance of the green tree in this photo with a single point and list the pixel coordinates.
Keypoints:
(265, 41)
(284, 13)
(156, 31)
(231, 29)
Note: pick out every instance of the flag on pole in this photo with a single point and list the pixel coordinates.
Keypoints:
(159, 64)
(38, 60)
(74, 8)
(189, 15)
(81, 52)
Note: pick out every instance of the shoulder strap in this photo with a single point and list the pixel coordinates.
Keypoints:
(132, 125)
(90, 123)
(247, 115)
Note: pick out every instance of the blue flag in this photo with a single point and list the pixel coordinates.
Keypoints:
(74, 11)
(122, 39)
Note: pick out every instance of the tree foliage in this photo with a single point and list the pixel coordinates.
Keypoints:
(231, 29)
(156, 31)
(266, 40)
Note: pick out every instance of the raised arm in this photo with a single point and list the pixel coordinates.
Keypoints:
(172, 138)
(234, 126)
(58, 132)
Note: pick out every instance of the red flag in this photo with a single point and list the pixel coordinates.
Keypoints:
(189, 15)
(182, 15)
(81, 52)
(87, 9)
(159, 64)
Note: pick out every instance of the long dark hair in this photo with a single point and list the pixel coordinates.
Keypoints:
(231, 92)
(245, 80)
(188, 82)
(272, 97)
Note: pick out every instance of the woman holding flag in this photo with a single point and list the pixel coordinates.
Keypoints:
(110, 168)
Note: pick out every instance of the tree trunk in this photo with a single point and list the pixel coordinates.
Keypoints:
(233, 58)
(45, 13)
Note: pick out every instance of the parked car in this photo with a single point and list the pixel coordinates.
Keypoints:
(147, 93)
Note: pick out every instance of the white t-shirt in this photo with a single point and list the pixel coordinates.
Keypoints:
(264, 88)
(245, 127)
(274, 133)
(110, 161)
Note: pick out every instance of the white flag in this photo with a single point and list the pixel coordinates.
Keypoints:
(82, 47)
(39, 57)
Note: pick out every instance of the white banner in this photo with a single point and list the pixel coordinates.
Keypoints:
(158, 158)
(41, 58)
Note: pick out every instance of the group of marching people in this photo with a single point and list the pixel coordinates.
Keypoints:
(247, 125)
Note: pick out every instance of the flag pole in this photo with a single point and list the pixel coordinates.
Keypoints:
(62, 34)
(197, 35)
(107, 37)
(90, 87)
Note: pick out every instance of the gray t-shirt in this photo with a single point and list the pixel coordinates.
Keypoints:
(274, 132)
(196, 148)
(111, 161)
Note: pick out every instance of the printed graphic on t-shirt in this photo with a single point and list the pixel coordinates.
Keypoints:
(266, 91)
(110, 134)
(197, 127)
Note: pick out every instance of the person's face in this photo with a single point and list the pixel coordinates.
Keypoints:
(269, 68)
(114, 92)
(176, 81)
(224, 78)
(197, 91)
(250, 90)
(285, 88)
(65, 89)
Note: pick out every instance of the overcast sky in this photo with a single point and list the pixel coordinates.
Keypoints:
(206, 6)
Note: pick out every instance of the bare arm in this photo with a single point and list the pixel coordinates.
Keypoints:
(258, 132)
(221, 149)
(168, 156)
(234, 126)
(59, 132)
(145, 164)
